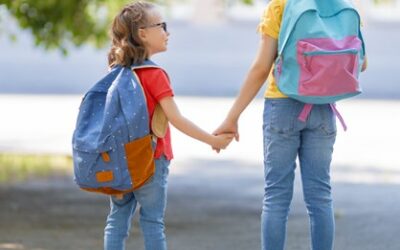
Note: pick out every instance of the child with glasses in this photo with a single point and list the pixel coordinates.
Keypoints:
(137, 33)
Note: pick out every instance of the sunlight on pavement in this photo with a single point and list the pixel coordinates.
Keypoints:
(6, 246)
(367, 152)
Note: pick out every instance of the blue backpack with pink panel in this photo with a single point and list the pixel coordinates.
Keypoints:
(320, 52)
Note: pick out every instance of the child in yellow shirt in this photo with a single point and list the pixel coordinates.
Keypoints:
(286, 138)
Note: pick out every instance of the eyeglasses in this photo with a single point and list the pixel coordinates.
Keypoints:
(163, 25)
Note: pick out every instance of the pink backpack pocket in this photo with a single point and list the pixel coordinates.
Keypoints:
(328, 67)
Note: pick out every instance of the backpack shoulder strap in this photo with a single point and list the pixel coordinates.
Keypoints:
(159, 123)
(292, 12)
(145, 64)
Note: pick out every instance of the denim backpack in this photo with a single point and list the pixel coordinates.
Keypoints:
(112, 143)
(320, 52)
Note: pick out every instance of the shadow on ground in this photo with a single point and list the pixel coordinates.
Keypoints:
(212, 205)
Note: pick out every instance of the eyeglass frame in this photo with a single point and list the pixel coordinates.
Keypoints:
(163, 25)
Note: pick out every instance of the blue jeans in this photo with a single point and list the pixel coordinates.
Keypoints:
(285, 138)
(152, 198)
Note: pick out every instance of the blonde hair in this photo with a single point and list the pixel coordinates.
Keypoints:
(127, 48)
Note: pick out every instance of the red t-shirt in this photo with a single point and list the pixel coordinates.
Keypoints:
(156, 86)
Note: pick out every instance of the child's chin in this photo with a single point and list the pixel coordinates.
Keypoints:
(162, 50)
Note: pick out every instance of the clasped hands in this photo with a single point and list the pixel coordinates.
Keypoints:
(225, 133)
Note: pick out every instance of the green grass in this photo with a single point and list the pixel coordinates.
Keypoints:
(19, 167)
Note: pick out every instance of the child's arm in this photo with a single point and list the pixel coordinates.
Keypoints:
(189, 128)
(256, 77)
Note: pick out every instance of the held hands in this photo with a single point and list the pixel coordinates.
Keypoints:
(227, 128)
(222, 141)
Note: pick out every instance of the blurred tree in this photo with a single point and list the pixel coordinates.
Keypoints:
(57, 24)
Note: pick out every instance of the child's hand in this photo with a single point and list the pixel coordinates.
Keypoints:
(230, 127)
(222, 141)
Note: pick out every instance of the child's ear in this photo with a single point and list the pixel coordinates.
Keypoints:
(142, 34)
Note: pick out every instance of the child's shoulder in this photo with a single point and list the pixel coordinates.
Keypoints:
(272, 18)
(152, 70)
(152, 73)
(275, 9)
(277, 4)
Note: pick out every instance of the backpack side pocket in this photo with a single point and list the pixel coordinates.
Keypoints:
(95, 169)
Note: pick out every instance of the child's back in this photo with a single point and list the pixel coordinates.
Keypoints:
(299, 56)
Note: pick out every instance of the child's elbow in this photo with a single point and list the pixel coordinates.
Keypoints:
(260, 71)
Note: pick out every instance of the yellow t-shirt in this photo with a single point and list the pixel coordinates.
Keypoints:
(270, 25)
